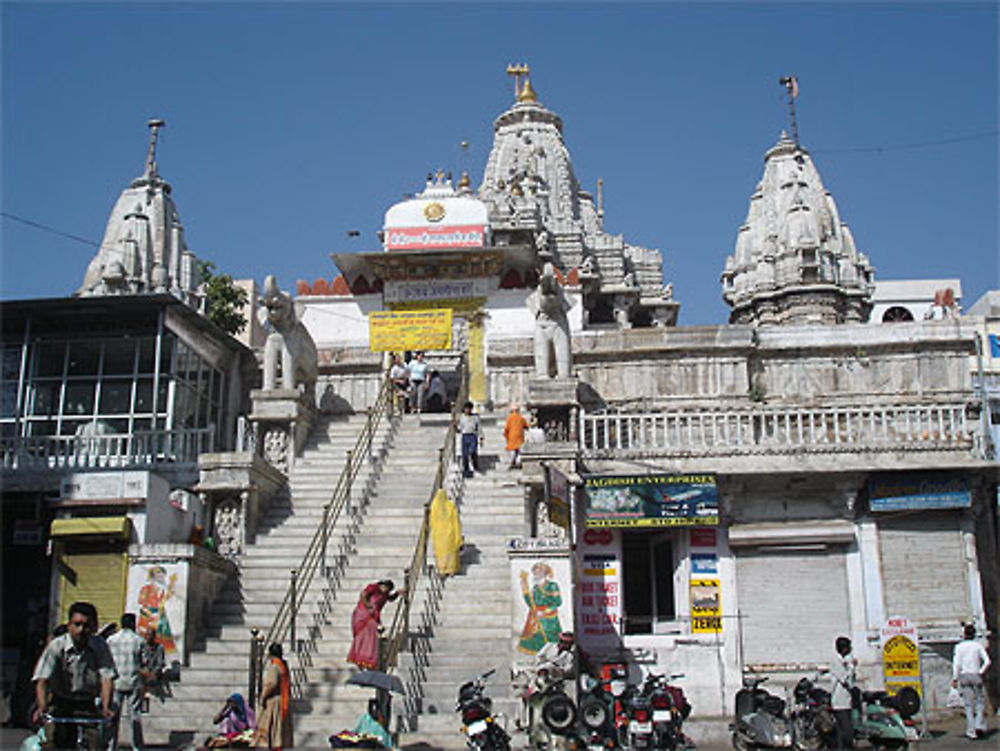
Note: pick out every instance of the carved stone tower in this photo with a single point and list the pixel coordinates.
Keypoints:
(795, 262)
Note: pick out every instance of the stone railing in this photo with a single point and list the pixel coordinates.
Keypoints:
(776, 429)
(147, 448)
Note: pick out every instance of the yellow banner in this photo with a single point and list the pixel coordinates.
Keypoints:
(706, 606)
(900, 659)
(396, 331)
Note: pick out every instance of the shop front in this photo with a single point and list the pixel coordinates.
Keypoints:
(655, 581)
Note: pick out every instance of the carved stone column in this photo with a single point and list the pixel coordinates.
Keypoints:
(282, 419)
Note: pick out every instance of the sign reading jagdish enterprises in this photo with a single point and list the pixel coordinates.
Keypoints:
(396, 331)
(650, 500)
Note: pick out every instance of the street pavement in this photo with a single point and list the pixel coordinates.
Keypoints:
(946, 733)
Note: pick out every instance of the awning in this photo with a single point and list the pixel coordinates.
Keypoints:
(837, 531)
(106, 526)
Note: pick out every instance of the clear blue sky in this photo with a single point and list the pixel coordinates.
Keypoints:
(289, 124)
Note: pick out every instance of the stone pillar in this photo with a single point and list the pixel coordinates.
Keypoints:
(282, 420)
(235, 488)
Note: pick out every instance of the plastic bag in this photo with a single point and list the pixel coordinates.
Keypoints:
(954, 700)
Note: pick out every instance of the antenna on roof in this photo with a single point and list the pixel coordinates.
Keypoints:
(791, 84)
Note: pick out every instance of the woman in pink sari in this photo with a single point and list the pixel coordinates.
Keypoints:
(365, 623)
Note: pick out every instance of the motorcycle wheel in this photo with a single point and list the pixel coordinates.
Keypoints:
(807, 735)
(890, 744)
(540, 738)
(740, 743)
(594, 713)
(559, 713)
(499, 741)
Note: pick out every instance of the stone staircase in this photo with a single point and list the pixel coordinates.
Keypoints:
(383, 549)
(470, 631)
(219, 661)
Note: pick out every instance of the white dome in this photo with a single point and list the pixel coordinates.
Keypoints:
(438, 217)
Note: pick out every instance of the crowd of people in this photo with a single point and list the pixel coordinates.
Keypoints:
(416, 387)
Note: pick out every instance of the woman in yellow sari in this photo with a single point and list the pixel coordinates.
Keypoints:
(446, 533)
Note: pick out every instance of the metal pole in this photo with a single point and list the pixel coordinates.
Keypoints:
(252, 673)
(350, 475)
(294, 588)
(326, 535)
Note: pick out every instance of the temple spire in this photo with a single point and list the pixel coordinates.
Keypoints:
(791, 84)
(517, 71)
(154, 129)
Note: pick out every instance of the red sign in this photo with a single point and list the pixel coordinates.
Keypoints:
(598, 537)
(702, 537)
(455, 236)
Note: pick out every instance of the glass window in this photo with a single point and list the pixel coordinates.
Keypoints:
(42, 427)
(119, 357)
(50, 358)
(144, 395)
(79, 398)
(147, 354)
(116, 396)
(44, 398)
(11, 363)
(161, 396)
(8, 399)
(84, 358)
(166, 348)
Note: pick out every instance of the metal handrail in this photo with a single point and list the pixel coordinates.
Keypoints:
(392, 641)
(283, 624)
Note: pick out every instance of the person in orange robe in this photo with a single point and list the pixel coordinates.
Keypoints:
(513, 431)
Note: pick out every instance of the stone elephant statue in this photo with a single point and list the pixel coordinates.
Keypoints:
(289, 349)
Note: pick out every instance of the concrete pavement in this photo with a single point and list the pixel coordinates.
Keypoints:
(946, 733)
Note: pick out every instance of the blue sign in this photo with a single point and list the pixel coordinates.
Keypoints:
(704, 563)
(651, 500)
(994, 345)
(909, 492)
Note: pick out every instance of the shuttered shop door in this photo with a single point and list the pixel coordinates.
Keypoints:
(924, 574)
(95, 577)
(792, 603)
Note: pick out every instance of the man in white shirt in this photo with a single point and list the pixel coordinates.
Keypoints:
(967, 668)
(843, 670)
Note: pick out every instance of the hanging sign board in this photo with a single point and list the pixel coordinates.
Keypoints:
(900, 655)
(706, 606)
(650, 500)
(397, 331)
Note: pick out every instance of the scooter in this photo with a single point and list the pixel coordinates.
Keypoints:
(482, 731)
(760, 718)
(880, 721)
(552, 713)
(597, 715)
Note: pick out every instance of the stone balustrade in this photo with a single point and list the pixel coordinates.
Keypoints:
(778, 430)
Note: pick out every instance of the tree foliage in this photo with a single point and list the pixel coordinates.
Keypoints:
(224, 301)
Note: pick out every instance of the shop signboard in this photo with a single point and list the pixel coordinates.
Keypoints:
(650, 500)
(706, 606)
(454, 236)
(559, 497)
(599, 593)
(420, 290)
(900, 655)
(397, 331)
(919, 492)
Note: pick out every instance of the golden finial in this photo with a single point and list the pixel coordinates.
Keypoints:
(527, 93)
(440, 175)
(464, 181)
(515, 189)
(517, 71)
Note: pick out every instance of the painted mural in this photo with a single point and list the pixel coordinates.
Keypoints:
(156, 595)
(543, 603)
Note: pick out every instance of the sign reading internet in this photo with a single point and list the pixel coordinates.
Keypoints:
(650, 500)
(456, 236)
(396, 331)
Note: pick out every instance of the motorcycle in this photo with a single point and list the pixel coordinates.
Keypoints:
(482, 731)
(760, 718)
(670, 709)
(551, 712)
(639, 709)
(876, 717)
(597, 716)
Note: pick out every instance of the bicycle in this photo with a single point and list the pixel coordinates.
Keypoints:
(95, 740)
